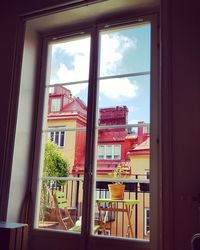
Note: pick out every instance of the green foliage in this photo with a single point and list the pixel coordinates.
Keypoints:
(119, 171)
(54, 166)
(54, 163)
(45, 202)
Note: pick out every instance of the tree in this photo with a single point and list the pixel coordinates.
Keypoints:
(54, 163)
(54, 166)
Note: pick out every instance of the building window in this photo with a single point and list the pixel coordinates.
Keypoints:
(146, 221)
(147, 174)
(101, 152)
(55, 104)
(109, 152)
(117, 152)
(58, 137)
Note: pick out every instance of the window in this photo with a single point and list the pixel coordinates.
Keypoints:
(62, 167)
(55, 104)
(58, 137)
(104, 75)
(101, 152)
(117, 152)
(109, 152)
(147, 174)
(123, 106)
(146, 221)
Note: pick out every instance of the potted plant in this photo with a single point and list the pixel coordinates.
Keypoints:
(117, 189)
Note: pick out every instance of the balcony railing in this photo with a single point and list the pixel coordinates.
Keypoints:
(136, 188)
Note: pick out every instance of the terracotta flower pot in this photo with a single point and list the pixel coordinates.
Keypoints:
(116, 191)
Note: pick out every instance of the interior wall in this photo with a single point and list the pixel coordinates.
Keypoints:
(184, 60)
(11, 42)
(22, 150)
(180, 123)
(8, 100)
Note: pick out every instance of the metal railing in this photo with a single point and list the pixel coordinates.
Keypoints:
(136, 187)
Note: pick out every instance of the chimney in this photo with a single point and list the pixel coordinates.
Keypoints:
(140, 133)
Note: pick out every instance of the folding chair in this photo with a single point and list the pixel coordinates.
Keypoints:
(62, 213)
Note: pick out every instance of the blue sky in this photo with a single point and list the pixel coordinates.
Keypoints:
(121, 51)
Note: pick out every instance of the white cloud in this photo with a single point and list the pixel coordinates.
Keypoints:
(133, 109)
(118, 87)
(64, 74)
(80, 51)
(133, 121)
(74, 47)
(77, 88)
(113, 46)
(112, 49)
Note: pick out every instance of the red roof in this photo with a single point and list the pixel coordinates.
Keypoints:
(141, 149)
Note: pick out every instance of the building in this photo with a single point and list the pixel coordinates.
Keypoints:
(140, 161)
(68, 112)
(115, 146)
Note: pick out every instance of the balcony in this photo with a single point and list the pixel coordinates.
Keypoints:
(115, 218)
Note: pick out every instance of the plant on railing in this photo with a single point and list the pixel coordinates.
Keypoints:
(120, 172)
(54, 166)
(117, 189)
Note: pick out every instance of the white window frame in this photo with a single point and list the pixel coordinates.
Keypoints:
(154, 147)
(60, 132)
(55, 104)
(104, 156)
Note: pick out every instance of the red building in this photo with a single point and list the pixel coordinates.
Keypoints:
(113, 143)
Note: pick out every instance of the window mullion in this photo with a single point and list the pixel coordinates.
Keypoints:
(90, 138)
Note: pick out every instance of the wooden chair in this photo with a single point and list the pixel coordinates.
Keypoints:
(62, 212)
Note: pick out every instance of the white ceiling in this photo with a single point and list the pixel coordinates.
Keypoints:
(93, 12)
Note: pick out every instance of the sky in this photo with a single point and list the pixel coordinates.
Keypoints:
(121, 51)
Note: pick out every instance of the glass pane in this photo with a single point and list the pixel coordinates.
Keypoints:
(122, 189)
(73, 99)
(101, 152)
(108, 152)
(125, 50)
(55, 105)
(62, 138)
(130, 92)
(117, 152)
(62, 174)
(62, 161)
(61, 199)
(69, 60)
(57, 138)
